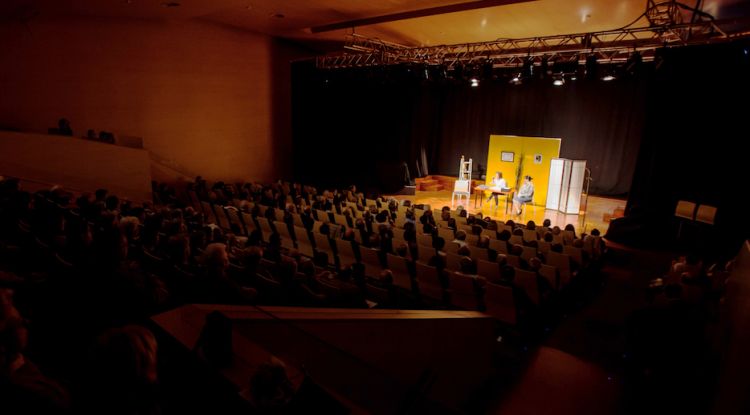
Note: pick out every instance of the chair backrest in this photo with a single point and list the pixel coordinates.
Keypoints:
(453, 261)
(501, 247)
(425, 253)
(513, 260)
(400, 270)
(425, 240)
(706, 214)
(462, 186)
(529, 235)
(528, 253)
(428, 281)
(446, 234)
(463, 290)
(575, 253)
(516, 240)
(527, 281)
(549, 273)
(488, 269)
(685, 210)
(370, 257)
(562, 263)
(500, 303)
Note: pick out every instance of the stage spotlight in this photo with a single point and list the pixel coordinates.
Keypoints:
(608, 77)
(474, 82)
(516, 79)
(559, 80)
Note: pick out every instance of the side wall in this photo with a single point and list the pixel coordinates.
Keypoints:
(123, 171)
(200, 95)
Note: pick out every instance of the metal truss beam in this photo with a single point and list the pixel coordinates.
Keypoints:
(608, 46)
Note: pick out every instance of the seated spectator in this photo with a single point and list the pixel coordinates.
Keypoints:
(122, 377)
(63, 127)
(460, 239)
(23, 387)
(270, 389)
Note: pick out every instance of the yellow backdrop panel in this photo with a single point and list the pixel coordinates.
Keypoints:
(526, 152)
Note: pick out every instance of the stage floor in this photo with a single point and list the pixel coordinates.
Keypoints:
(594, 217)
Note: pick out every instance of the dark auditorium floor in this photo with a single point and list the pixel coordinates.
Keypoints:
(581, 367)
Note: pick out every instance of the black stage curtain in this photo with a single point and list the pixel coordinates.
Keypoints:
(677, 131)
(695, 140)
(355, 120)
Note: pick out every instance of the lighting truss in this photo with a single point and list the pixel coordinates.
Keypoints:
(666, 29)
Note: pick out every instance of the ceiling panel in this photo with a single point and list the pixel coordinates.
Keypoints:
(293, 19)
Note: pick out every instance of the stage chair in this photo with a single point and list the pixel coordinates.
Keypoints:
(706, 214)
(461, 189)
(684, 211)
(523, 204)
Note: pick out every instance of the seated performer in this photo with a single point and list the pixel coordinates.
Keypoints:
(524, 195)
(497, 183)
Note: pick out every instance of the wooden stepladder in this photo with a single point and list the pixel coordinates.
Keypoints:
(462, 188)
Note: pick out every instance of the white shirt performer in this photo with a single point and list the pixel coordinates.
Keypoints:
(497, 182)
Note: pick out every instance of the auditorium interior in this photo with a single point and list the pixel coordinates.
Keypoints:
(394, 207)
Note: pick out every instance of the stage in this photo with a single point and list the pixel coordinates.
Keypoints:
(598, 213)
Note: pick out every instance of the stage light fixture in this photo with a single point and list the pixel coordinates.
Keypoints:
(516, 79)
(528, 68)
(634, 63)
(559, 80)
(544, 69)
(458, 72)
(608, 77)
(591, 67)
(488, 69)
(474, 82)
